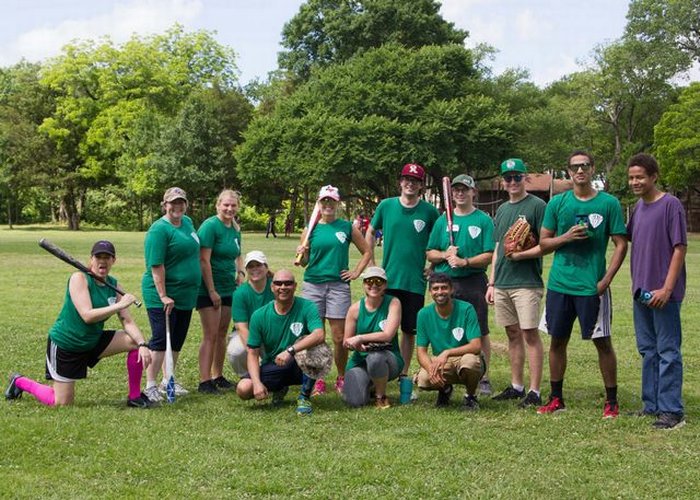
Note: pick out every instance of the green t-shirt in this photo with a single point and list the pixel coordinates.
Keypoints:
(177, 248)
(246, 301)
(522, 273)
(70, 332)
(274, 332)
(370, 322)
(328, 251)
(473, 235)
(459, 329)
(406, 232)
(225, 244)
(579, 265)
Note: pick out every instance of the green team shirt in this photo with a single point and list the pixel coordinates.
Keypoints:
(406, 232)
(274, 332)
(459, 329)
(70, 332)
(177, 248)
(473, 235)
(370, 322)
(522, 273)
(329, 246)
(225, 244)
(246, 301)
(579, 265)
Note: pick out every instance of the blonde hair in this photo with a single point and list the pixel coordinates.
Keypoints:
(236, 195)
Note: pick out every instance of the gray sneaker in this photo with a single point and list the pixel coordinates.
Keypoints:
(179, 390)
(668, 421)
(153, 394)
(12, 391)
(469, 403)
(485, 387)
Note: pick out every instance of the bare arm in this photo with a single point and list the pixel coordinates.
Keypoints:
(80, 295)
(549, 243)
(369, 238)
(478, 261)
(620, 242)
(391, 327)
(242, 329)
(303, 249)
(259, 390)
(364, 249)
(492, 276)
(158, 273)
(207, 278)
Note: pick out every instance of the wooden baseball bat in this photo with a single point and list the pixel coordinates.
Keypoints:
(313, 220)
(447, 199)
(68, 259)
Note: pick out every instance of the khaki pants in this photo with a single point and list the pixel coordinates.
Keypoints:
(466, 369)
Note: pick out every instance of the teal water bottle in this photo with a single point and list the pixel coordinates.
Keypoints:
(405, 390)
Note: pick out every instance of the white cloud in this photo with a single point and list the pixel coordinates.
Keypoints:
(529, 27)
(126, 18)
(564, 65)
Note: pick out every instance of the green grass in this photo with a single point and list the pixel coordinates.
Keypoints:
(220, 447)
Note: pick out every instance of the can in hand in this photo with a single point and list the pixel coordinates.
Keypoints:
(643, 296)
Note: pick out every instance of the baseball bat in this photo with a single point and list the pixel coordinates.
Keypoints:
(58, 252)
(447, 198)
(315, 216)
(169, 364)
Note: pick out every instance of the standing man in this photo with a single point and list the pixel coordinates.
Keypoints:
(577, 225)
(281, 328)
(515, 285)
(406, 222)
(452, 330)
(658, 223)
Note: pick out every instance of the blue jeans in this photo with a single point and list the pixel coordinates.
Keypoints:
(658, 334)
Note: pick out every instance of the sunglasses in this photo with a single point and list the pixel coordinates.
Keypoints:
(284, 282)
(374, 282)
(583, 166)
(511, 178)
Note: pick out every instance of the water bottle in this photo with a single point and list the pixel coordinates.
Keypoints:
(405, 389)
(643, 296)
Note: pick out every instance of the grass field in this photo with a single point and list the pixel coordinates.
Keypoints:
(220, 447)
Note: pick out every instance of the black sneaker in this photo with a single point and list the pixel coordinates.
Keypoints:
(278, 396)
(12, 391)
(208, 387)
(469, 403)
(141, 402)
(668, 421)
(509, 393)
(223, 383)
(443, 398)
(532, 399)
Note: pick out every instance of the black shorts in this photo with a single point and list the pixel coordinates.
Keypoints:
(204, 301)
(179, 324)
(67, 366)
(472, 289)
(594, 314)
(275, 377)
(411, 303)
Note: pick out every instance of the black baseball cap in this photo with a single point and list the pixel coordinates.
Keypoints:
(103, 246)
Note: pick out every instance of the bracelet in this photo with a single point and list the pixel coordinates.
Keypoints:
(143, 344)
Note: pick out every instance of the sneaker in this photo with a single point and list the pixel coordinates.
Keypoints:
(304, 406)
(611, 409)
(443, 398)
(319, 388)
(554, 405)
(179, 390)
(12, 391)
(469, 403)
(142, 402)
(668, 421)
(206, 387)
(223, 383)
(339, 384)
(485, 387)
(153, 394)
(382, 403)
(509, 393)
(532, 399)
(278, 396)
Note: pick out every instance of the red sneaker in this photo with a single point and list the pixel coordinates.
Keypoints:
(554, 405)
(611, 410)
(319, 388)
(339, 384)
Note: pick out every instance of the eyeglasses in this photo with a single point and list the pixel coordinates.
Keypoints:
(583, 166)
(413, 180)
(283, 282)
(374, 282)
(513, 178)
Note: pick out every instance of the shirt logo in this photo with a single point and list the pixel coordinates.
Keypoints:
(595, 220)
(458, 333)
(194, 235)
(474, 231)
(296, 328)
(382, 324)
(510, 164)
(455, 228)
(111, 300)
(342, 237)
(413, 169)
(419, 225)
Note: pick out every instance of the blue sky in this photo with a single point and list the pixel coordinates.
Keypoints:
(549, 38)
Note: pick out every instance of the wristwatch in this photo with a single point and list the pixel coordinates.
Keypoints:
(143, 344)
(291, 350)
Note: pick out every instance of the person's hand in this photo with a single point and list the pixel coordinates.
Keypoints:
(347, 275)
(455, 261)
(451, 250)
(283, 358)
(126, 300)
(659, 298)
(259, 391)
(353, 343)
(576, 232)
(302, 249)
(168, 304)
(602, 285)
(436, 370)
(144, 356)
(514, 256)
(215, 299)
(489, 295)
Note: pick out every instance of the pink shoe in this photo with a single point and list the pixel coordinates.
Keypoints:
(319, 388)
(339, 384)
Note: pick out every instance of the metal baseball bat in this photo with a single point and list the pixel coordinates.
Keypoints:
(447, 198)
(315, 216)
(68, 259)
(169, 363)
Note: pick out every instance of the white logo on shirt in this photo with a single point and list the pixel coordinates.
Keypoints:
(342, 237)
(458, 333)
(419, 225)
(474, 231)
(111, 300)
(455, 228)
(382, 324)
(595, 220)
(194, 235)
(296, 328)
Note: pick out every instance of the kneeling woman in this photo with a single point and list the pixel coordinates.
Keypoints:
(77, 339)
(371, 324)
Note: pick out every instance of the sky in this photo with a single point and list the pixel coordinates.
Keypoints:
(549, 38)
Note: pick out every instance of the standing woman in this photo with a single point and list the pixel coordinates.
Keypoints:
(327, 277)
(170, 283)
(222, 269)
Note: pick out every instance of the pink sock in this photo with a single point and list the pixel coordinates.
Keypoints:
(43, 393)
(134, 367)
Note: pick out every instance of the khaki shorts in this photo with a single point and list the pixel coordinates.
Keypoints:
(518, 306)
(466, 369)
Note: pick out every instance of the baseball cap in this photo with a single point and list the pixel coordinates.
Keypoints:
(174, 193)
(329, 192)
(413, 170)
(374, 272)
(255, 256)
(513, 165)
(465, 180)
(103, 246)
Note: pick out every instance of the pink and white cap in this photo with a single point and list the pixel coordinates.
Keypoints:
(329, 192)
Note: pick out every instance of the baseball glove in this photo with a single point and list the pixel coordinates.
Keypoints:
(519, 237)
(377, 346)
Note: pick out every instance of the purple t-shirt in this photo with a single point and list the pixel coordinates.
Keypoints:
(655, 229)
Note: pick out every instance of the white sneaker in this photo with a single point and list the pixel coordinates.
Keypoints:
(179, 390)
(153, 394)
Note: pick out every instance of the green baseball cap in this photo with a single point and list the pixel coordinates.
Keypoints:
(465, 180)
(513, 165)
